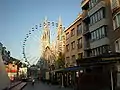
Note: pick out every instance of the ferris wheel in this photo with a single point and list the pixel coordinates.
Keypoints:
(32, 44)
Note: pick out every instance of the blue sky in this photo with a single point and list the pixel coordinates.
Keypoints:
(17, 17)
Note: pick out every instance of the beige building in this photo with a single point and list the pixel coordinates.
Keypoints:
(74, 42)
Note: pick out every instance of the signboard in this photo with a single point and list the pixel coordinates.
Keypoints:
(112, 58)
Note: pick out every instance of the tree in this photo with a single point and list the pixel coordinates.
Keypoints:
(60, 63)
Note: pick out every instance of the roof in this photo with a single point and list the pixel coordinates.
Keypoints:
(77, 19)
(69, 69)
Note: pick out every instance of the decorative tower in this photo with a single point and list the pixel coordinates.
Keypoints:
(59, 36)
(46, 34)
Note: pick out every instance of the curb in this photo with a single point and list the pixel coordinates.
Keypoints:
(23, 86)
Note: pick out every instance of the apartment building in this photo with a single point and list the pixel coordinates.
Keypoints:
(97, 26)
(74, 42)
(115, 33)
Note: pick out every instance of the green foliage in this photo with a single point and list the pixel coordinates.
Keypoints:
(60, 61)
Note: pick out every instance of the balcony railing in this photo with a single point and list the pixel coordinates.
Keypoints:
(85, 29)
(84, 2)
(85, 13)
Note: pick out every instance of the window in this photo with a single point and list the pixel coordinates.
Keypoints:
(92, 37)
(101, 14)
(67, 35)
(68, 60)
(115, 3)
(73, 45)
(80, 55)
(98, 33)
(103, 31)
(73, 58)
(117, 45)
(97, 16)
(92, 3)
(67, 47)
(72, 32)
(79, 29)
(116, 21)
(100, 50)
(79, 43)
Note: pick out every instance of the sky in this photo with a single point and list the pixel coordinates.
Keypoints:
(17, 17)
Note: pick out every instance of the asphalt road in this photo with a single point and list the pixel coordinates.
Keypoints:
(43, 86)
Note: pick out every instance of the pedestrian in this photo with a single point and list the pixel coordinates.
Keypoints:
(33, 81)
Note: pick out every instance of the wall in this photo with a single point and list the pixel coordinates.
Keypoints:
(4, 79)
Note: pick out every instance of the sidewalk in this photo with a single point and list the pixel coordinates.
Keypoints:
(19, 86)
(13, 84)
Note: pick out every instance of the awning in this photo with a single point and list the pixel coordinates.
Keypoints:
(68, 69)
(101, 59)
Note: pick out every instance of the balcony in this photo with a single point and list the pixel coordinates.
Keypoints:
(84, 3)
(85, 14)
(115, 5)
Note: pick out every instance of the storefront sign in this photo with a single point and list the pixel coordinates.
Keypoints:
(113, 58)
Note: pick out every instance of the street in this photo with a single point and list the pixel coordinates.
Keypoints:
(44, 86)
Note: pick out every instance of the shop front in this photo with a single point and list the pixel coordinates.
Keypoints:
(100, 72)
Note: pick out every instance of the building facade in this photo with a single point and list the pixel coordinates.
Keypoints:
(115, 33)
(51, 50)
(74, 42)
(97, 26)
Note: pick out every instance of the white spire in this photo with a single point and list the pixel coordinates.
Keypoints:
(45, 18)
(59, 21)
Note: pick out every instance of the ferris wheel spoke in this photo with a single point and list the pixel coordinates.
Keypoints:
(34, 36)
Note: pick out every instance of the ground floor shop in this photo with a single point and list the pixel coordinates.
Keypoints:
(94, 73)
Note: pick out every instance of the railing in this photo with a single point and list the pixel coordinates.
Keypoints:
(83, 2)
(85, 13)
